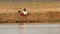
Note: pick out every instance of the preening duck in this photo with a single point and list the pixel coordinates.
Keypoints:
(23, 12)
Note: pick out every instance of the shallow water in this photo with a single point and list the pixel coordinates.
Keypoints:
(43, 29)
(30, 29)
(11, 29)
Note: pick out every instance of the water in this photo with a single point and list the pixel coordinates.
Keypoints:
(30, 29)
(11, 29)
(43, 29)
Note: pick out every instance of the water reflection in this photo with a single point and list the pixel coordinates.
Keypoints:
(30, 29)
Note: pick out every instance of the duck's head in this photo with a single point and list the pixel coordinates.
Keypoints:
(19, 11)
(24, 9)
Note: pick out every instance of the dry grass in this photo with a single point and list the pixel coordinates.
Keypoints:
(47, 17)
(40, 12)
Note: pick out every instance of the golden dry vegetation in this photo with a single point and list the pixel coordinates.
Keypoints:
(38, 12)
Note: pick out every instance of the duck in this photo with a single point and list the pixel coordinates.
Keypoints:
(23, 12)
